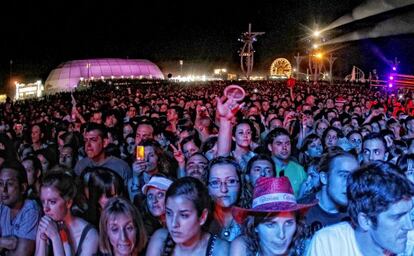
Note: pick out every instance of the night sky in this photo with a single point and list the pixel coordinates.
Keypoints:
(39, 36)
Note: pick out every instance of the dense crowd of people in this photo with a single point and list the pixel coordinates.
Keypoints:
(160, 168)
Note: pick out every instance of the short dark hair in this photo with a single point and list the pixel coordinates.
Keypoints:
(103, 132)
(308, 140)
(35, 161)
(193, 189)
(326, 161)
(373, 188)
(331, 128)
(375, 136)
(274, 133)
(179, 110)
(193, 138)
(208, 144)
(18, 168)
(260, 157)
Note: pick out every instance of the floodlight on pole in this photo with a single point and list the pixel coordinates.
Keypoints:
(181, 67)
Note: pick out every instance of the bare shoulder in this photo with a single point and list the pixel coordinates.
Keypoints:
(221, 248)
(156, 243)
(238, 246)
(160, 234)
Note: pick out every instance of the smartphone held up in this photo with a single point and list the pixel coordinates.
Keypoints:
(140, 153)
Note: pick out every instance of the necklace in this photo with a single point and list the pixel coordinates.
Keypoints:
(227, 230)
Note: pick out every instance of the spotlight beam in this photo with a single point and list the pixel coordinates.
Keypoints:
(367, 9)
(390, 27)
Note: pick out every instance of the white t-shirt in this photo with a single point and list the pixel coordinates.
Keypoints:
(338, 239)
(409, 250)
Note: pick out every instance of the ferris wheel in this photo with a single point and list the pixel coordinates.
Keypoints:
(281, 67)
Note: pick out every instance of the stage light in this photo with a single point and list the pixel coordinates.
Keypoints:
(390, 85)
(394, 68)
(391, 78)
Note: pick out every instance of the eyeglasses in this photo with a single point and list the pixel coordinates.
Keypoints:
(230, 183)
(159, 196)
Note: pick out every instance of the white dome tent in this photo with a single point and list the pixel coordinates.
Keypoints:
(67, 75)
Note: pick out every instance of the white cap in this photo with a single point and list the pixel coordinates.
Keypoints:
(157, 182)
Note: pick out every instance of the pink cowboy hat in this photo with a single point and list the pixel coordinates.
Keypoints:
(271, 195)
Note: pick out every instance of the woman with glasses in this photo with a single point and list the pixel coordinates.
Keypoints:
(154, 208)
(187, 208)
(225, 187)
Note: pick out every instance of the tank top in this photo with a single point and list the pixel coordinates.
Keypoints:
(82, 238)
(78, 252)
(210, 244)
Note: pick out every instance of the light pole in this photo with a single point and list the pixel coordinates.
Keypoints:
(11, 74)
(331, 62)
(88, 66)
(181, 67)
(298, 60)
(315, 55)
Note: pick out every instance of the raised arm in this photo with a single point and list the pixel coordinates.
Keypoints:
(226, 111)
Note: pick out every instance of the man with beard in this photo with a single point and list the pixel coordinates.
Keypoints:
(334, 168)
(379, 206)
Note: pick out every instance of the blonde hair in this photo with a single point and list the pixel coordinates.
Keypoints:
(116, 206)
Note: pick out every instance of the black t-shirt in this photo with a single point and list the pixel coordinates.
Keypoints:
(317, 214)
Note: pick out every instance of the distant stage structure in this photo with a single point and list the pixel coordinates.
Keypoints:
(280, 68)
(69, 75)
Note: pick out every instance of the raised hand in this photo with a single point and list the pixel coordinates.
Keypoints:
(178, 154)
(227, 107)
(138, 167)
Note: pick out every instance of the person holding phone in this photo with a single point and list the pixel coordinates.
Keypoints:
(150, 160)
(59, 231)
